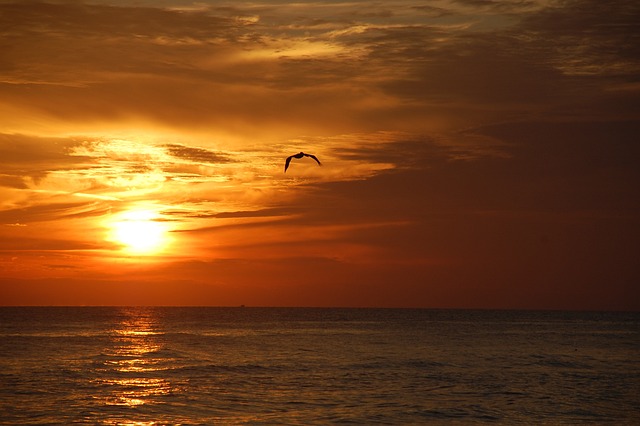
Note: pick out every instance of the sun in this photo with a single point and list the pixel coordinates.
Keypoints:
(139, 232)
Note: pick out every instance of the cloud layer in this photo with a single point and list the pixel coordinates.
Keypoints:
(475, 153)
(279, 66)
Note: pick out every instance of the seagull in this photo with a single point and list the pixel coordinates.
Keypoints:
(299, 155)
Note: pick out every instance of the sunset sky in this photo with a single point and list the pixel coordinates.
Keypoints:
(475, 153)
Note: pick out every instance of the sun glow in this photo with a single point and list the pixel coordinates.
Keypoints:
(139, 232)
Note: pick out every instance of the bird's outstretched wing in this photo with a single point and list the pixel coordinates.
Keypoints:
(286, 163)
(315, 158)
(299, 155)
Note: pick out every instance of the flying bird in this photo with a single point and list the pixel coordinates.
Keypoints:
(299, 155)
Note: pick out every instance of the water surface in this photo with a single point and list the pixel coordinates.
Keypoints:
(317, 366)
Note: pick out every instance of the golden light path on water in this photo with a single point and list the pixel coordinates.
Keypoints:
(137, 375)
(133, 361)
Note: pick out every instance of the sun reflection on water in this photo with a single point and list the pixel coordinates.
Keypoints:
(134, 365)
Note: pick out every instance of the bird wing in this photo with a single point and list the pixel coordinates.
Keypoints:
(315, 158)
(286, 163)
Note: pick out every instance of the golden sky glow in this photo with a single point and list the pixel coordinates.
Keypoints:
(475, 153)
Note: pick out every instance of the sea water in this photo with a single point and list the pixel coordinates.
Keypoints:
(111, 365)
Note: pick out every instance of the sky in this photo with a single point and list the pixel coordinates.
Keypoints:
(475, 153)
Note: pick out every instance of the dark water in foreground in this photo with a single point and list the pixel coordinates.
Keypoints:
(317, 366)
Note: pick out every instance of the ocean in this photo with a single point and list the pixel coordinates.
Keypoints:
(304, 366)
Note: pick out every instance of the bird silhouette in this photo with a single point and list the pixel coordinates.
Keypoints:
(299, 155)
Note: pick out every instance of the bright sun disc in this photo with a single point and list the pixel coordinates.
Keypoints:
(139, 232)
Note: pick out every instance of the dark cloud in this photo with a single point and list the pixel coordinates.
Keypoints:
(546, 166)
(431, 11)
(12, 182)
(269, 212)
(23, 156)
(262, 213)
(197, 155)
(53, 211)
(108, 41)
(23, 149)
(588, 37)
(558, 57)
(208, 67)
(497, 4)
(46, 244)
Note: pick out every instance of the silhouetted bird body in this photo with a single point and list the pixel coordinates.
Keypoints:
(299, 155)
